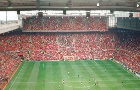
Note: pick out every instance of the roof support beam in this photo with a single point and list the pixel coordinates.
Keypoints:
(69, 8)
(38, 4)
(9, 2)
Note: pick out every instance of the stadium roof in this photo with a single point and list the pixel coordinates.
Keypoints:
(115, 5)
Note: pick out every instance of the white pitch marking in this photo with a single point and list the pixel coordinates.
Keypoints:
(95, 62)
(43, 64)
(16, 76)
(126, 70)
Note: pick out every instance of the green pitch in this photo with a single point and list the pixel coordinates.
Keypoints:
(49, 75)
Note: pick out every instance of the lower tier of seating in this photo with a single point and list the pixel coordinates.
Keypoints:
(122, 46)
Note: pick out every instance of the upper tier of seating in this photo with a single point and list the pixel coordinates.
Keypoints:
(65, 23)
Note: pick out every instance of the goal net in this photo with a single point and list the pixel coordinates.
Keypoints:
(70, 58)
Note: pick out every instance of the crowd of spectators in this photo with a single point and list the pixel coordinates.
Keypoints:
(65, 23)
(7, 65)
(128, 49)
(121, 45)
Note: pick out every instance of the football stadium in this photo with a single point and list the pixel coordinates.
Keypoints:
(69, 45)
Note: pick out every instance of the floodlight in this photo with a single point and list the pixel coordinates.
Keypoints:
(98, 4)
(137, 5)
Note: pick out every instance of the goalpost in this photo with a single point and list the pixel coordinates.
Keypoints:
(69, 58)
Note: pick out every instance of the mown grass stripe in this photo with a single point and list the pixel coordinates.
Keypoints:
(53, 72)
(65, 67)
(33, 77)
(40, 85)
(25, 76)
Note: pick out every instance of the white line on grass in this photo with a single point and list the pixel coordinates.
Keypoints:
(78, 81)
(17, 76)
(126, 70)
(79, 65)
(130, 73)
(95, 63)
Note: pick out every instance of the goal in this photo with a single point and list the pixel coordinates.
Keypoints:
(69, 58)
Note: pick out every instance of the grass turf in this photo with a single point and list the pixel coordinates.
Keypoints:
(31, 74)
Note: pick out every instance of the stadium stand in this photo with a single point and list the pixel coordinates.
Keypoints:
(26, 25)
(79, 23)
(50, 47)
(128, 52)
(120, 45)
(24, 41)
(65, 23)
(70, 30)
(50, 23)
(36, 24)
(8, 64)
(94, 25)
